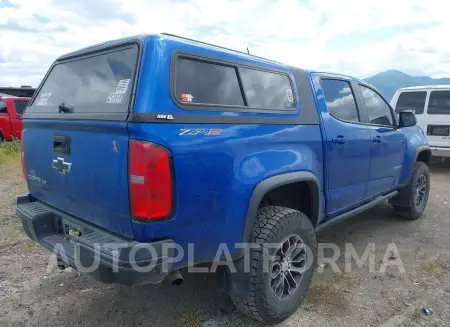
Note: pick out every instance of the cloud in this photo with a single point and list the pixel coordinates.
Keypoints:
(14, 26)
(97, 11)
(358, 38)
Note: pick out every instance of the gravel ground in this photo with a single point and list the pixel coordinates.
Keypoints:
(34, 293)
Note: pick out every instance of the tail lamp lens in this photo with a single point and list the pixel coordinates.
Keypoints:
(150, 181)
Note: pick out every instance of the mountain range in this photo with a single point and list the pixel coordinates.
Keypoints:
(389, 81)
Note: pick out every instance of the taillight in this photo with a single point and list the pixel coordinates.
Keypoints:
(150, 180)
(22, 157)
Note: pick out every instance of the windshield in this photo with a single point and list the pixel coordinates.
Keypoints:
(95, 84)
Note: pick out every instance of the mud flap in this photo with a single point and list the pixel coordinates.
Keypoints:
(234, 283)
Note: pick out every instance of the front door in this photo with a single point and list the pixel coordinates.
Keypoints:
(387, 144)
(347, 144)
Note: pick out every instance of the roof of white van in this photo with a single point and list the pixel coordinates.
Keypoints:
(425, 87)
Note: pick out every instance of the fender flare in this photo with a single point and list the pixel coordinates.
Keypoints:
(417, 151)
(237, 283)
(420, 149)
(273, 182)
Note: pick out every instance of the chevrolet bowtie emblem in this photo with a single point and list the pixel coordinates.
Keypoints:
(60, 165)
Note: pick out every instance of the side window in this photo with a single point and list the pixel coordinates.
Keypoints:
(3, 107)
(378, 110)
(20, 106)
(267, 90)
(340, 101)
(411, 100)
(439, 103)
(207, 83)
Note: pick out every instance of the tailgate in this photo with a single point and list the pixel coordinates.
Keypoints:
(76, 138)
(90, 180)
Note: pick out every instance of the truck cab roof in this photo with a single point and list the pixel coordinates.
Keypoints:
(166, 37)
(163, 37)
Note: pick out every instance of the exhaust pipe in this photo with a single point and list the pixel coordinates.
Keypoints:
(175, 278)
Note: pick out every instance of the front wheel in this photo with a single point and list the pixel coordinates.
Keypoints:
(282, 264)
(415, 194)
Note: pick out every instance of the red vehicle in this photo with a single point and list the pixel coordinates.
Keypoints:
(11, 110)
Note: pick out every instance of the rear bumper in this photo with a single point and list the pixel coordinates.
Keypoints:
(440, 151)
(108, 257)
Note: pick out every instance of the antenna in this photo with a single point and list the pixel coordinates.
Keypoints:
(217, 46)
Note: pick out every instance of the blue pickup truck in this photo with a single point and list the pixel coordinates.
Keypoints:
(165, 150)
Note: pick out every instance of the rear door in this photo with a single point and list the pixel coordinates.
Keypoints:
(437, 125)
(16, 112)
(387, 143)
(76, 138)
(347, 146)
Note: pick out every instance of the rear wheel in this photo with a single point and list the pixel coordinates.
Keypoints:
(282, 264)
(415, 194)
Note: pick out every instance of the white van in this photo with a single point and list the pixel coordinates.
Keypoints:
(432, 107)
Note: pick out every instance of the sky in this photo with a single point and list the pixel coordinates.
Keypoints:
(354, 37)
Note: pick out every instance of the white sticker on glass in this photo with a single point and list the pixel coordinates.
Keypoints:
(42, 101)
(289, 97)
(122, 86)
(117, 96)
(114, 98)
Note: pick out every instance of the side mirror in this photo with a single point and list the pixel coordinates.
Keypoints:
(407, 118)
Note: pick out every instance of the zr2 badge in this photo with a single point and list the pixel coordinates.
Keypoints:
(200, 131)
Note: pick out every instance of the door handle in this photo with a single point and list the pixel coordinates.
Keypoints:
(339, 139)
(377, 139)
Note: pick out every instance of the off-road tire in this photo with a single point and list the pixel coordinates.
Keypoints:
(272, 225)
(410, 210)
